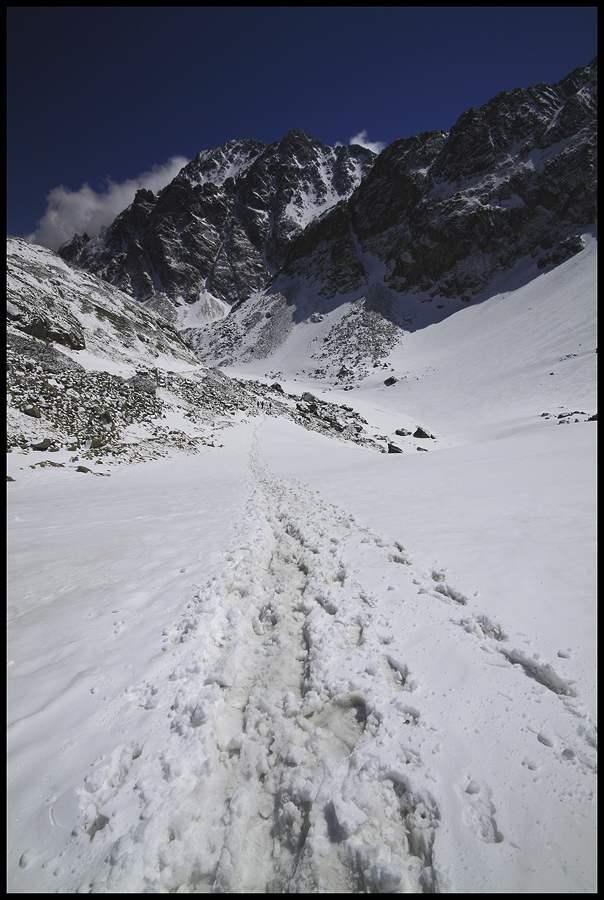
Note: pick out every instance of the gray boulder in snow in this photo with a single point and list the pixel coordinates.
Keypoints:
(42, 445)
(422, 433)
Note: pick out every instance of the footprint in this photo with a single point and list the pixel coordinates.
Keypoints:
(451, 593)
(483, 627)
(354, 632)
(400, 670)
(399, 556)
(542, 673)
(479, 813)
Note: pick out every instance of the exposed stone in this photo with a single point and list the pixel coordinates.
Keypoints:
(225, 223)
(143, 381)
(444, 213)
(565, 249)
(43, 445)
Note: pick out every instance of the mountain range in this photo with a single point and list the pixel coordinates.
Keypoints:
(298, 259)
(290, 653)
(273, 235)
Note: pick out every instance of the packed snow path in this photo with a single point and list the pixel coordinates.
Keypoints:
(295, 736)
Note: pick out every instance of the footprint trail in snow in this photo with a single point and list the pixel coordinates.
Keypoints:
(285, 744)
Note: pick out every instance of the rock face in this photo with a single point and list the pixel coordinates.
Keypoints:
(224, 225)
(280, 234)
(445, 213)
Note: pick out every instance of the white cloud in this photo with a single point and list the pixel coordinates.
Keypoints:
(69, 212)
(361, 140)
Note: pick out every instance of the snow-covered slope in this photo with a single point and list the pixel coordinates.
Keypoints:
(90, 371)
(295, 664)
(57, 304)
(354, 343)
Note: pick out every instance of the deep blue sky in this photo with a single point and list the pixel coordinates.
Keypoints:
(109, 92)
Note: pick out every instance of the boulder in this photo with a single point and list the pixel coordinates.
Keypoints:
(42, 445)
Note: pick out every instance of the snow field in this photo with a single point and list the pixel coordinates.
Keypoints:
(292, 664)
(330, 712)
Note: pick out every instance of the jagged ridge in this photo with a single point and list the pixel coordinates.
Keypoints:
(223, 226)
(295, 229)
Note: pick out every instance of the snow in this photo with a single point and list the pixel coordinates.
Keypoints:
(206, 308)
(304, 207)
(223, 165)
(293, 664)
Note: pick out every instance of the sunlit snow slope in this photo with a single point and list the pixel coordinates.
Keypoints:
(295, 664)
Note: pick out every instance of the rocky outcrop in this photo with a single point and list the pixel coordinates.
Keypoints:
(224, 225)
(445, 213)
(280, 234)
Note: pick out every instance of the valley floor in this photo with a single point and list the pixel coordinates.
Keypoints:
(293, 665)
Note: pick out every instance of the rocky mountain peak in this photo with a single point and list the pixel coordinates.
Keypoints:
(443, 213)
(223, 226)
(433, 217)
(298, 137)
(215, 166)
